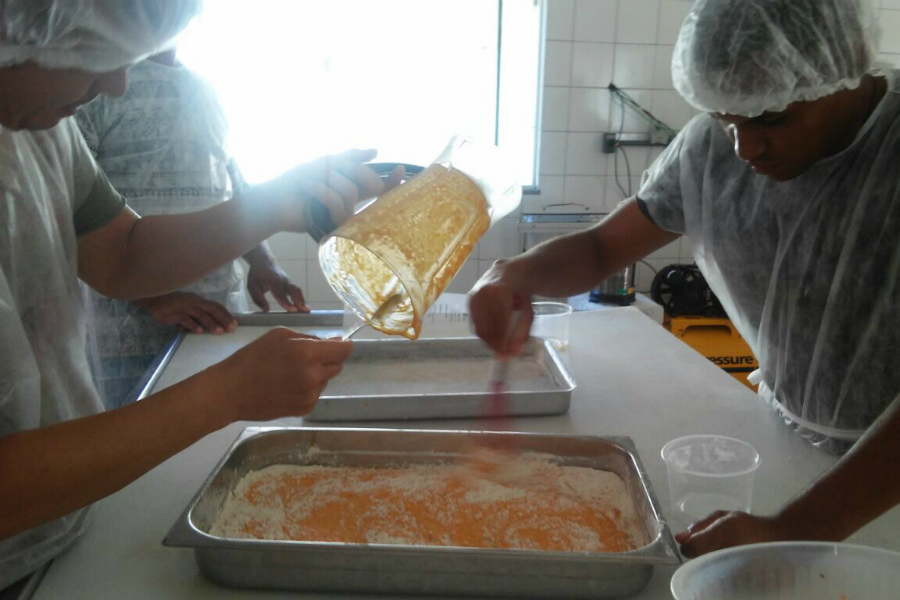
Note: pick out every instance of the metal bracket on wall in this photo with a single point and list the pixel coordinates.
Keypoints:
(612, 141)
(660, 135)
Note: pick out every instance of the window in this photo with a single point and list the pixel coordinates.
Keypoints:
(302, 78)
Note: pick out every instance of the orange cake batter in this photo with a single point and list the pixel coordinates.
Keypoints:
(537, 505)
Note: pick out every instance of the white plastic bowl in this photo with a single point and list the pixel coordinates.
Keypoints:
(791, 571)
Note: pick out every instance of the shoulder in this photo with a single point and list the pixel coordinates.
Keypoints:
(701, 131)
(151, 82)
(17, 158)
(892, 100)
(881, 134)
(44, 149)
(695, 139)
(52, 163)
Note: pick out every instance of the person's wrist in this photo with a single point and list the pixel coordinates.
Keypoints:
(147, 303)
(514, 274)
(274, 208)
(260, 260)
(217, 397)
(154, 301)
(795, 522)
(786, 526)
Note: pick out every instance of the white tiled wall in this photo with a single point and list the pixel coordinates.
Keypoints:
(590, 43)
(889, 19)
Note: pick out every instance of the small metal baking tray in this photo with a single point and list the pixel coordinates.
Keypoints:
(317, 318)
(394, 379)
(402, 569)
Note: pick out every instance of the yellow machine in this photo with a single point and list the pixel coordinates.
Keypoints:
(695, 315)
(719, 341)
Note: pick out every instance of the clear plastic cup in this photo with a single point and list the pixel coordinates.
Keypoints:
(709, 473)
(551, 322)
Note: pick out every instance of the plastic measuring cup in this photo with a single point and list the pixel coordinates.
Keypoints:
(551, 322)
(413, 239)
(709, 473)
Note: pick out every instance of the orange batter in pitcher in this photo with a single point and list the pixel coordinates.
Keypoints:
(411, 241)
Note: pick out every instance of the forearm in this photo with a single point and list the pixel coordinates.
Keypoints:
(575, 263)
(561, 267)
(131, 258)
(49, 472)
(856, 490)
(164, 253)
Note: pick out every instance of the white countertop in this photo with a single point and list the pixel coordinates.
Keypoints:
(635, 379)
(641, 302)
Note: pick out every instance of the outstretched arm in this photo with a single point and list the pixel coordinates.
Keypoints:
(49, 472)
(563, 266)
(133, 257)
(860, 487)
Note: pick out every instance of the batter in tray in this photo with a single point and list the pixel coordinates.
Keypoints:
(544, 506)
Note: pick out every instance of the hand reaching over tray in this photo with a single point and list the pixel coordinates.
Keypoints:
(723, 529)
(501, 311)
(281, 374)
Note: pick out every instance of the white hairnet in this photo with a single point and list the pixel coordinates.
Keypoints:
(93, 35)
(747, 57)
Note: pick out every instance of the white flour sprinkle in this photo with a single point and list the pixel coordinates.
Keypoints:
(437, 504)
(424, 376)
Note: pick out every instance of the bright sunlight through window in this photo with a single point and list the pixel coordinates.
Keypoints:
(302, 78)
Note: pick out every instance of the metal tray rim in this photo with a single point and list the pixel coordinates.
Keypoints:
(658, 551)
(568, 380)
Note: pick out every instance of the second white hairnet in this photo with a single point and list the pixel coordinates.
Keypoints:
(93, 35)
(808, 269)
(747, 57)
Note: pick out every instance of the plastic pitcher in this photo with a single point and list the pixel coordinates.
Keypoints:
(413, 239)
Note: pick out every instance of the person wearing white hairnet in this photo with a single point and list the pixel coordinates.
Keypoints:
(787, 186)
(163, 146)
(60, 219)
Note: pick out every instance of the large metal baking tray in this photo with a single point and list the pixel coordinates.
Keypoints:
(396, 569)
(393, 379)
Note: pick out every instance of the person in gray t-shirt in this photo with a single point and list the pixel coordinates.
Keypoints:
(787, 187)
(163, 146)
